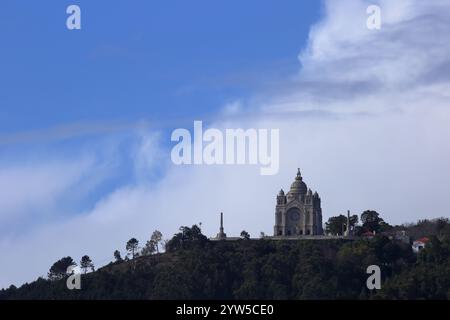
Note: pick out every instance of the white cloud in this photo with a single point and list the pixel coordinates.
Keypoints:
(25, 187)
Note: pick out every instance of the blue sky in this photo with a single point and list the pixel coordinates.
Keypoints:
(86, 117)
(142, 59)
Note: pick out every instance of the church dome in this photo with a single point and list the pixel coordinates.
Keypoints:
(281, 193)
(298, 186)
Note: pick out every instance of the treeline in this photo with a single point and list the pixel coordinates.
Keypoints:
(193, 267)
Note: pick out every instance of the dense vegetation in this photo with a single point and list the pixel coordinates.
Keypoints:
(194, 267)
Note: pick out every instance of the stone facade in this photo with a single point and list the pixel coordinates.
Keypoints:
(298, 213)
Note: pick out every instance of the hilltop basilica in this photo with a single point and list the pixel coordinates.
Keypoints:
(298, 212)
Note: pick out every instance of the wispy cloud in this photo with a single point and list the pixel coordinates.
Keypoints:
(65, 131)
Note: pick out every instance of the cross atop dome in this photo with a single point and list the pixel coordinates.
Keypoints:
(299, 175)
(298, 186)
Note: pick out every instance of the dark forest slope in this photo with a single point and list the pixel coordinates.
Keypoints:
(263, 269)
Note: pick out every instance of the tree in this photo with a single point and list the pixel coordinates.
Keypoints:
(132, 246)
(335, 225)
(338, 224)
(353, 220)
(442, 226)
(86, 263)
(117, 256)
(164, 244)
(149, 248)
(186, 238)
(156, 238)
(371, 220)
(245, 235)
(195, 234)
(59, 269)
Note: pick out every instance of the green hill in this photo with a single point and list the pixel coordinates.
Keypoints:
(198, 268)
